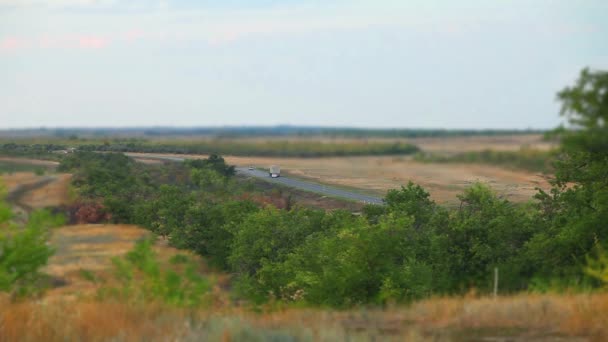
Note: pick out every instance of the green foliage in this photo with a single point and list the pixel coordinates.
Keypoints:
(575, 212)
(412, 200)
(597, 266)
(209, 179)
(165, 212)
(357, 264)
(485, 232)
(88, 275)
(179, 259)
(209, 229)
(215, 163)
(5, 210)
(142, 278)
(264, 240)
(24, 250)
(32, 150)
(16, 166)
(286, 148)
(110, 177)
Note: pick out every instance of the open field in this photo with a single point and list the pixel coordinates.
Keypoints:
(480, 143)
(379, 174)
(376, 175)
(453, 144)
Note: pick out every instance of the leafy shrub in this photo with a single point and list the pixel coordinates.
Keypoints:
(24, 250)
(143, 278)
(597, 266)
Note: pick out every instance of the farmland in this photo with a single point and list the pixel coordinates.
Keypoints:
(378, 174)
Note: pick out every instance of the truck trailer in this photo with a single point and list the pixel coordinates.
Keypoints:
(275, 171)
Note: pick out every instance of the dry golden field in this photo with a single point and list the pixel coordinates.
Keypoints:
(55, 193)
(378, 174)
(428, 144)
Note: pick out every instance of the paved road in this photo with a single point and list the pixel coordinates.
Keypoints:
(290, 182)
(309, 186)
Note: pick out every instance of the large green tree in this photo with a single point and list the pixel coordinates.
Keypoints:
(576, 209)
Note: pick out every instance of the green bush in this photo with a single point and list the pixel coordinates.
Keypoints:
(597, 266)
(24, 250)
(142, 278)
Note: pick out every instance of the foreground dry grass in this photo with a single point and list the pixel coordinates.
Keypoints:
(576, 317)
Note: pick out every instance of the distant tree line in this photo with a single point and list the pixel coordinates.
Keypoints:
(265, 148)
(41, 151)
(218, 146)
(261, 131)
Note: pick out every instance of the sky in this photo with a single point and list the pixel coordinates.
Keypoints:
(356, 63)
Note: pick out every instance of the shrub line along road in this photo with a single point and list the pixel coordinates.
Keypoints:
(290, 182)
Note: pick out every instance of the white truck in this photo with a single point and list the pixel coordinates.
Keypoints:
(275, 171)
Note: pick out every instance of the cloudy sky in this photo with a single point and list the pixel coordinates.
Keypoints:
(363, 63)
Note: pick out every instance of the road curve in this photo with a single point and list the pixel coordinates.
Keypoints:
(286, 181)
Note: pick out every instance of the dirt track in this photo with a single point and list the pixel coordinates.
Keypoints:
(27, 191)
